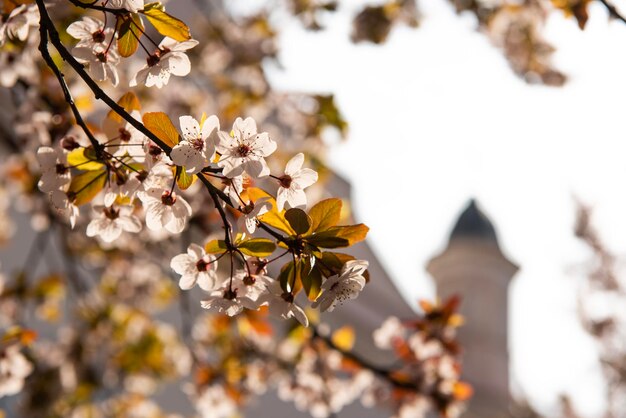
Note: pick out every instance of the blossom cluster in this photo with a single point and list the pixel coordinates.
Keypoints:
(124, 168)
(246, 207)
(101, 48)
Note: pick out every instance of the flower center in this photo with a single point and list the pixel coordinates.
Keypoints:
(69, 143)
(101, 56)
(248, 208)
(230, 294)
(142, 175)
(154, 150)
(202, 265)
(61, 169)
(243, 150)
(124, 135)
(98, 36)
(120, 178)
(287, 297)
(249, 280)
(153, 60)
(198, 144)
(285, 181)
(111, 213)
(168, 198)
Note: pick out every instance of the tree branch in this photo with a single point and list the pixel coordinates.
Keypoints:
(93, 6)
(43, 49)
(99, 94)
(613, 12)
(46, 27)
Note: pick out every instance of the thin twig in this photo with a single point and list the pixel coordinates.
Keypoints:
(92, 6)
(43, 48)
(613, 12)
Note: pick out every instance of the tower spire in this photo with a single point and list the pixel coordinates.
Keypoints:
(473, 267)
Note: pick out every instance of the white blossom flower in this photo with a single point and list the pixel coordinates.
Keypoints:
(165, 209)
(54, 171)
(131, 5)
(281, 303)
(196, 266)
(169, 58)
(293, 183)
(14, 368)
(251, 286)
(225, 301)
(214, 402)
(101, 62)
(197, 148)
(390, 331)
(19, 22)
(124, 138)
(111, 222)
(250, 213)
(18, 65)
(347, 285)
(245, 151)
(234, 187)
(63, 205)
(243, 291)
(90, 33)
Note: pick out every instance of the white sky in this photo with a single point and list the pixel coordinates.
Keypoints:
(437, 117)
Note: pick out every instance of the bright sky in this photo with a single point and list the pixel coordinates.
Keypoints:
(437, 117)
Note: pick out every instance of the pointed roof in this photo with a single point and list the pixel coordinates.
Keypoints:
(473, 223)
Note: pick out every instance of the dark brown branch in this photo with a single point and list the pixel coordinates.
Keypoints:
(613, 12)
(99, 94)
(43, 49)
(377, 370)
(216, 199)
(48, 28)
(93, 6)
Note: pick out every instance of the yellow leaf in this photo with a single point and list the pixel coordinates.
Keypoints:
(184, 180)
(161, 125)
(257, 247)
(166, 24)
(129, 29)
(215, 247)
(339, 236)
(84, 159)
(129, 102)
(86, 186)
(344, 338)
(325, 214)
(273, 218)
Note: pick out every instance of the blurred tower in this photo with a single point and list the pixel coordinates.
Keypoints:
(474, 267)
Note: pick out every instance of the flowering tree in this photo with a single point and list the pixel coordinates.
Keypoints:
(140, 199)
(188, 166)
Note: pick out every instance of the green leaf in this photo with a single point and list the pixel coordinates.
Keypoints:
(312, 283)
(129, 102)
(84, 159)
(160, 124)
(86, 186)
(215, 247)
(325, 214)
(339, 236)
(298, 220)
(286, 276)
(257, 247)
(129, 29)
(166, 24)
(184, 180)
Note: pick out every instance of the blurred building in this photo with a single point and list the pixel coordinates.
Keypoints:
(474, 267)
